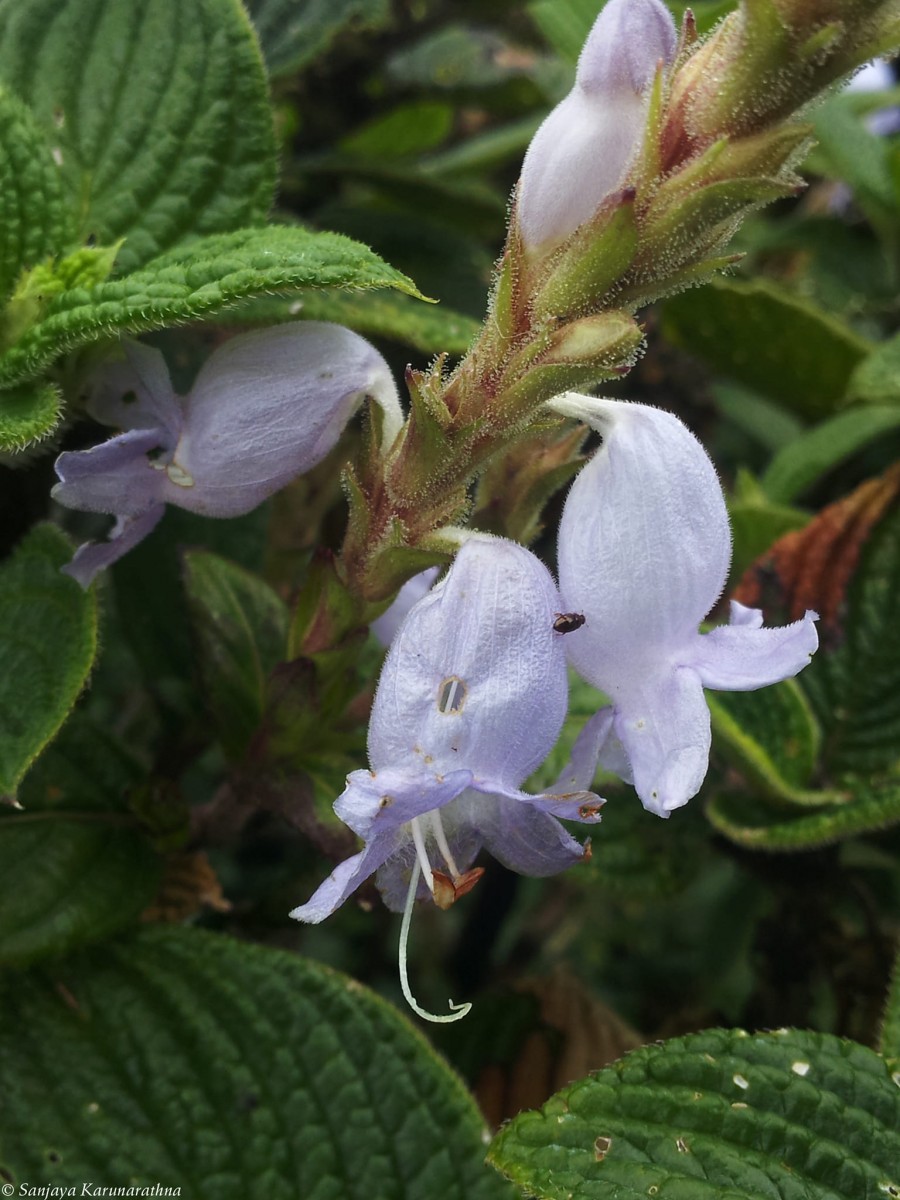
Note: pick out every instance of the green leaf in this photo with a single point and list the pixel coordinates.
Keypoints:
(70, 880)
(890, 1029)
(404, 132)
(431, 329)
(295, 32)
(756, 825)
(240, 631)
(855, 155)
(196, 281)
(877, 378)
(47, 648)
(32, 216)
(721, 1115)
(769, 340)
(854, 679)
(772, 736)
(28, 413)
(804, 461)
(756, 523)
(228, 1070)
(157, 111)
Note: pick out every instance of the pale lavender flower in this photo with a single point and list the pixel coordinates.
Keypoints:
(644, 550)
(471, 699)
(265, 407)
(385, 627)
(582, 151)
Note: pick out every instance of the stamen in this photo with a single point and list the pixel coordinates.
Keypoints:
(458, 1010)
(422, 854)
(440, 837)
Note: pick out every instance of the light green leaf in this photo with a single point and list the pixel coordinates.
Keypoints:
(805, 460)
(32, 216)
(720, 1115)
(47, 648)
(28, 412)
(852, 153)
(757, 522)
(240, 631)
(431, 329)
(752, 823)
(231, 1071)
(157, 111)
(762, 336)
(295, 32)
(195, 281)
(877, 378)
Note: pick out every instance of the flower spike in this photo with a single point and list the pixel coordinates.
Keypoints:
(644, 551)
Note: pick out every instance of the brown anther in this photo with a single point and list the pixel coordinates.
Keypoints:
(448, 891)
(588, 810)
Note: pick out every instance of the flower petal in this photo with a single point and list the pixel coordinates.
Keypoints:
(740, 657)
(475, 677)
(522, 837)
(582, 151)
(644, 542)
(268, 406)
(114, 477)
(664, 727)
(385, 627)
(135, 392)
(92, 557)
(597, 742)
(379, 806)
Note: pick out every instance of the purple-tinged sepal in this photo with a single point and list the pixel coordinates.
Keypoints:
(644, 551)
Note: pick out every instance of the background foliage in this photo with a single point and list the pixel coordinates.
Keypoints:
(168, 768)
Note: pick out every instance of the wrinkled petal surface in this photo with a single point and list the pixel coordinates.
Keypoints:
(114, 477)
(644, 541)
(582, 151)
(385, 627)
(739, 658)
(92, 557)
(524, 838)
(267, 406)
(475, 677)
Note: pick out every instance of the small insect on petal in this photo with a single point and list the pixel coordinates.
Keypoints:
(568, 622)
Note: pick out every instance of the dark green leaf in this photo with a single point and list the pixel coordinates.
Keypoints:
(294, 32)
(752, 823)
(158, 112)
(404, 132)
(49, 640)
(769, 340)
(70, 880)
(772, 736)
(32, 216)
(199, 280)
(721, 1115)
(804, 461)
(877, 378)
(231, 1071)
(240, 631)
(890, 1030)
